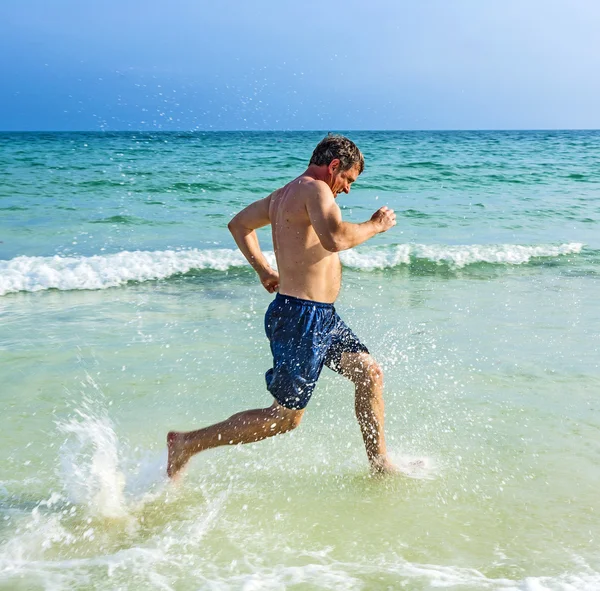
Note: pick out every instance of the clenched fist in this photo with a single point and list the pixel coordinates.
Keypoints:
(385, 218)
(270, 279)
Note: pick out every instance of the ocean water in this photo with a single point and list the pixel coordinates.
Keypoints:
(126, 311)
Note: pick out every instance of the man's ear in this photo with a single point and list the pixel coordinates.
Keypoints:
(334, 165)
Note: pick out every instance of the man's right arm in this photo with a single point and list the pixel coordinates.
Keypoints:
(243, 227)
(335, 234)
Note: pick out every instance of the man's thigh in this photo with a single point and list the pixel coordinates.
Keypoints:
(343, 341)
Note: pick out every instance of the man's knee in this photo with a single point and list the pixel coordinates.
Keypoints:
(285, 419)
(375, 373)
(367, 372)
(294, 420)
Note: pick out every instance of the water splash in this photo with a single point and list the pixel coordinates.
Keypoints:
(102, 473)
(91, 466)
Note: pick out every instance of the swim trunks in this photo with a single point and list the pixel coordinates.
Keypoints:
(304, 336)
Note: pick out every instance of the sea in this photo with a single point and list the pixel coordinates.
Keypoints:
(126, 311)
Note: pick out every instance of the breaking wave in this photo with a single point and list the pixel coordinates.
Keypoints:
(31, 274)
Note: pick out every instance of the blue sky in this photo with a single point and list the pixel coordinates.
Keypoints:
(263, 64)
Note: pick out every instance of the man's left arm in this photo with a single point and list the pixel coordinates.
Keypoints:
(243, 227)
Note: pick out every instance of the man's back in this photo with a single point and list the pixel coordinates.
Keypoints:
(306, 269)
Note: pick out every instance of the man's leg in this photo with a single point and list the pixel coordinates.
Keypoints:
(367, 376)
(245, 427)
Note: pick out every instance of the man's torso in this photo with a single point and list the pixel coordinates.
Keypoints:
(306, 269)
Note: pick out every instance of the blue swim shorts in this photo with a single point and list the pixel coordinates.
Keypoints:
(304, 336)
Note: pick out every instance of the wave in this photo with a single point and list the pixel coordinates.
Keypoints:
(455, 257)
(32, 274)
(130, 220)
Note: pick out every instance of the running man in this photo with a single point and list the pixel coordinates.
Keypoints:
(301, 323)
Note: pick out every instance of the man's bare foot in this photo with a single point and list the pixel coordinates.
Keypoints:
(383, 467)
(178, 457)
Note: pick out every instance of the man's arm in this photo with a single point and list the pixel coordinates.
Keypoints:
(335, 234)
(243, 227)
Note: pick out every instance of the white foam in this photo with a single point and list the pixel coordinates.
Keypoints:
(99, 473)
(176, 552)
(147, 565)
(418, 467)
(369, 259)
(507, 254)
(46, 550)
(91, 469)
(103, 271)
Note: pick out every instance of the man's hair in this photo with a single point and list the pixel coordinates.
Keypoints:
(337, 146)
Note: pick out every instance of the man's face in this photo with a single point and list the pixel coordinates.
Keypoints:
(342, 179)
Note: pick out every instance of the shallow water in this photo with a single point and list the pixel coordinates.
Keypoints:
(126, 312)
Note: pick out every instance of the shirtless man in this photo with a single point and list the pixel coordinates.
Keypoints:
(302, 325)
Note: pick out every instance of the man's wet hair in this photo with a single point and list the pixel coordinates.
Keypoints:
(337, 146)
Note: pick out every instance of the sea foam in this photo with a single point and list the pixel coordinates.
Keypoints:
(31, 274)
(99, 472)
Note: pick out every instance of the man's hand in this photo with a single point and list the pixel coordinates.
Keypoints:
(270, 280)
(384, 218)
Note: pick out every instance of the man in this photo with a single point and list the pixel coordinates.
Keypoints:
(302, 325)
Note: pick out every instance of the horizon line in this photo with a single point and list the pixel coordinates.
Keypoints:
(100, 131)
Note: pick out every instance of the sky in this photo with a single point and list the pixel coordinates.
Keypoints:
(295, 65)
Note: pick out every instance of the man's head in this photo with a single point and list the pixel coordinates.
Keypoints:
(338, 147)
(343, 160)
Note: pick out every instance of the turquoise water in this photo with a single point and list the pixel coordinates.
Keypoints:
(125, 311)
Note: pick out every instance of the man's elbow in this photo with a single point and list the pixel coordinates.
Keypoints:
(234, 225)
(333, 243)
